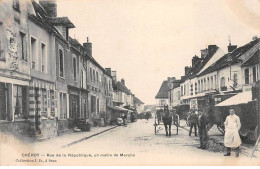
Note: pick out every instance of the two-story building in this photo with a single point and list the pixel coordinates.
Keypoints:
(162, 96)
(15, 66)
(42, 90)
(139, 105)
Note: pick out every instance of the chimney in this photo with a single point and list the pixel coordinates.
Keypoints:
(114, 75)
(88, 47)
(204, 53)
(231, 48)
(187, 69)
(123, 81)
(212, 48)
(50, 6)
(108, 70)
(195, 60)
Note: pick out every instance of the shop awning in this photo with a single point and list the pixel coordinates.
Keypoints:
(240, 98)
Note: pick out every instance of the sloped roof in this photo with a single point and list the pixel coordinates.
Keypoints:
(230, 58)
(163, 92)
(61, 21)
(138, 101)
(176, 83)
(200, 64)
(253, 60)
(123, 88)
(39, 9)
(74, 41)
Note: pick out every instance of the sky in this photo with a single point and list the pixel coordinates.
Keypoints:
(146, 41)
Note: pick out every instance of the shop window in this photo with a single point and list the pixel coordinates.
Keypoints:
(246, 76)
(3, 101)
(19, 102)
(52, 103)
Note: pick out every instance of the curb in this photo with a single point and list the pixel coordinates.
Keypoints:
(85, 138)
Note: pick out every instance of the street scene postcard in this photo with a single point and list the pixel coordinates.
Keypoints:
(129, 82)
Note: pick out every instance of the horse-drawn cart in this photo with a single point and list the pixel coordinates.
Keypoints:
(166, 118)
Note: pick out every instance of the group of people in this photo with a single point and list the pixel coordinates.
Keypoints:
(232, 127)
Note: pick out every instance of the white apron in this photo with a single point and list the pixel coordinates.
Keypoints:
(232, 126)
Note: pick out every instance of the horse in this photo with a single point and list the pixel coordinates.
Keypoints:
(167, 120)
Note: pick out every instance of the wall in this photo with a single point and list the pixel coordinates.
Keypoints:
(11, 63)
(45, 37)
(226, 72)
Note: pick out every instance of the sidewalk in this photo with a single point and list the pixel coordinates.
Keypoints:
(214, 134)
(67, 139)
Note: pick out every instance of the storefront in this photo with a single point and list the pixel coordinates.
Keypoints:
(245, 108)
(14, 106)
(74, 105)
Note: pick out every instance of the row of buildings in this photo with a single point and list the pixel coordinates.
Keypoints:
(216, 79)
(48, 80)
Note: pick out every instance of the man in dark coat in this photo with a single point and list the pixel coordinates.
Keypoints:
(193, 122)
(203, 135)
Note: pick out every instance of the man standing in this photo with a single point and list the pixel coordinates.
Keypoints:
(193, 122)
(232, 138)
(203, 135)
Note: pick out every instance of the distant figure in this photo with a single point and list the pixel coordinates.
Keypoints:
(202, 124)
(124, 120)
(232, 138)
(193, 122)
(147, 115)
